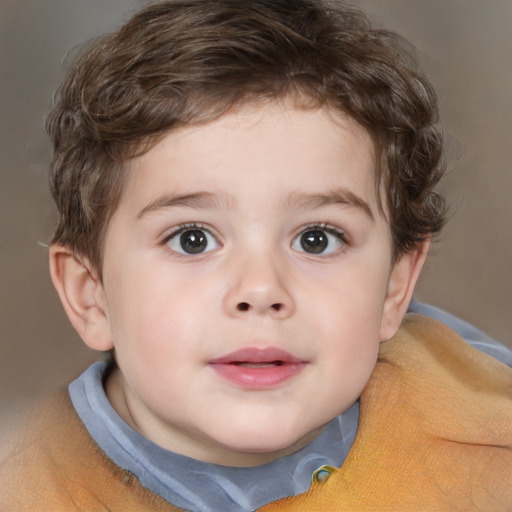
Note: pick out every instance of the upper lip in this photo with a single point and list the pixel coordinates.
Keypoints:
(257, 355)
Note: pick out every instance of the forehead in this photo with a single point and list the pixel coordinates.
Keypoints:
(266, 148)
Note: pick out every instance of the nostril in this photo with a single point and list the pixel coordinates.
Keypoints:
(245, 306)
(242, 306)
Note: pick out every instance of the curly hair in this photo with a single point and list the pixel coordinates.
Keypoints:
(185, 62)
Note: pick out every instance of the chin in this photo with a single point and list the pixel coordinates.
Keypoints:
(268, 446)
(269, 441)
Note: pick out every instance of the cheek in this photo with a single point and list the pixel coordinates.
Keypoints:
(347, 366)
(155, 316)
(350, 299)
(345, 321)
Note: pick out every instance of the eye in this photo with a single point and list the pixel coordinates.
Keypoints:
(319, 240)
(192, 240)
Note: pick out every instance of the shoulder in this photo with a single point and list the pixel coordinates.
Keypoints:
(454, 402)
(471, 335)
(24, 455)
(38, 446)
(48, 461)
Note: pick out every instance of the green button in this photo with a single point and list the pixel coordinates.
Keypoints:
(322, 474)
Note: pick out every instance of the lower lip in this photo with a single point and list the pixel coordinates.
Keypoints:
(261, 377)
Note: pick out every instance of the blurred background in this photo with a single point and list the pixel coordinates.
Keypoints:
(465, 48)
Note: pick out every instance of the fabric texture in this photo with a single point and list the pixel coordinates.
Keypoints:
(435, 433)
(51, 464)
(475, 337)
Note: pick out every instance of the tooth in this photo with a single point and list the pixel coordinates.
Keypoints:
(256, 365)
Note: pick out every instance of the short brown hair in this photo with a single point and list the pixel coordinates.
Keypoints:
(185, 62)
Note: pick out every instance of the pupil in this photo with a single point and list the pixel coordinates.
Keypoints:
(314, 242)
(193, 241)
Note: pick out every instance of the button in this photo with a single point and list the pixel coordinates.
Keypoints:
(322, 474)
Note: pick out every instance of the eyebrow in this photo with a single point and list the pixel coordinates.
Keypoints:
(341, 197)
(196, 200)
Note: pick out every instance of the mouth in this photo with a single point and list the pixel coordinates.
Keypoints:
(256, 368)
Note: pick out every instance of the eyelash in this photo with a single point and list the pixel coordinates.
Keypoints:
(185, 227)
(323, 226)
(331, 230)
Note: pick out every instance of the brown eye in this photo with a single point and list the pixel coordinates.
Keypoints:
(192, 241)
(314, 242)
(320, 241)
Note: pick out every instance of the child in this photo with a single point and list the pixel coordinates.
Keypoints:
(246, 196)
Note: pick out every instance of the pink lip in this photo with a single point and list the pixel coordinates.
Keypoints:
(273, 366)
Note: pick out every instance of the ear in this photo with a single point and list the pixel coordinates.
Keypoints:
(402, 281)
(82, 296)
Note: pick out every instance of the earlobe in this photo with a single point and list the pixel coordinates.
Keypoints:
(82, 296)
(402, 281)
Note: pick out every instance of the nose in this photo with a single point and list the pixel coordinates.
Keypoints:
(257, 287)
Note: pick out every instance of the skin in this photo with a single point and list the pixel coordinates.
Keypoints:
(252, 183)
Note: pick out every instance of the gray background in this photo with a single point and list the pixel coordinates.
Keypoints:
(465, 48)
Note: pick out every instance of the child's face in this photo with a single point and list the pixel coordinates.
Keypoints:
(246, 283)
